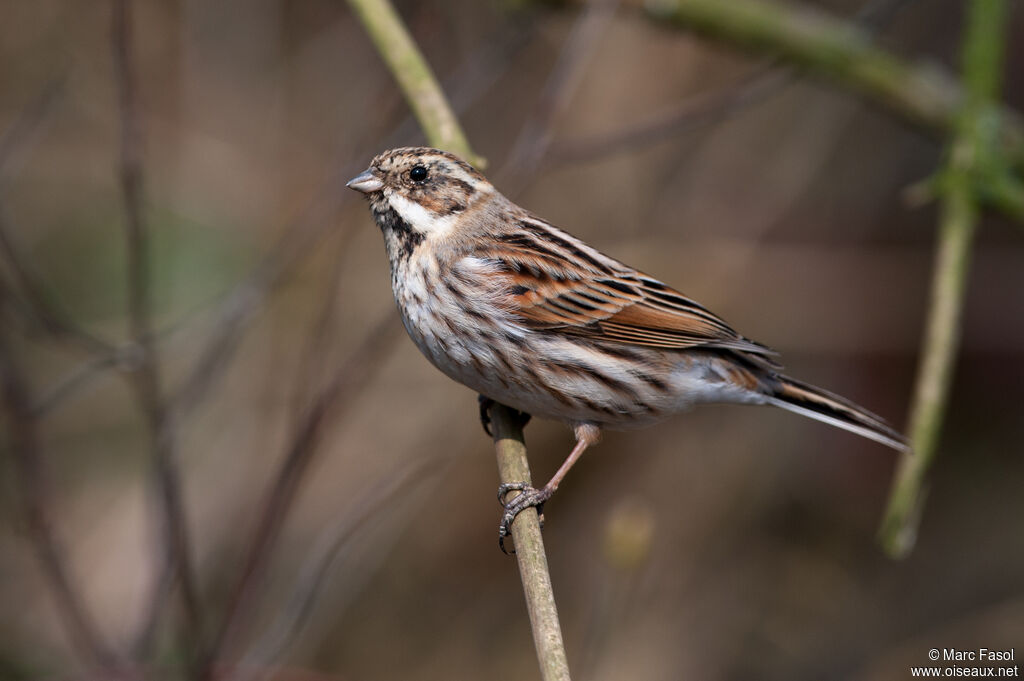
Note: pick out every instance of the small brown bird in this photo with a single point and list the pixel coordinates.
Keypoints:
(530, 316)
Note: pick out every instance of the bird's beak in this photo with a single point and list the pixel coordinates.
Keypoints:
(365, 182)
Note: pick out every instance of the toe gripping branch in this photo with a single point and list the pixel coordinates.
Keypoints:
(528, 496)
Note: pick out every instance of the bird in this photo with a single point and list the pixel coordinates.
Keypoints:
(529, 316)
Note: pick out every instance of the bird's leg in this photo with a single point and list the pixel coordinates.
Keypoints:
(586, 434)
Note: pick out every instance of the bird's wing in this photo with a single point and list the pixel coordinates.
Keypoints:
(554, 282)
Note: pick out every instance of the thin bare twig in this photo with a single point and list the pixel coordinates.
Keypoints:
(76, 378)
(320, 341)
(236, 309)
(176, 562)
(706, 109)
(23, 442)
(38, 306)
(26, 126)
(513, 467)
(535, 137)
(346, 383)
(695, 113)
(329, 551)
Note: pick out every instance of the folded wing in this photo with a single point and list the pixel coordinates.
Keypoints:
(555, 282)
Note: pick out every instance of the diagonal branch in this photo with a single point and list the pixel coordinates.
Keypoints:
(535, 137)
(381, 21)
(35, 303)
(414, 77)
(346, 383)
(923, 94)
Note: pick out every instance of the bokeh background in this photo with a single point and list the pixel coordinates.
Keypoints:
(728, 543)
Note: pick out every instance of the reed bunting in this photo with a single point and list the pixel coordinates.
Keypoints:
(530, 316)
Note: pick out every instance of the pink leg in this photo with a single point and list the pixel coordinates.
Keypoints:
(586, 435)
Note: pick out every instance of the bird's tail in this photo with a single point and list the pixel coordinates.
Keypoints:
(818, 404)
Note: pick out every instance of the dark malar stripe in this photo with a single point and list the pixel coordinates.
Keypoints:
(392, 224)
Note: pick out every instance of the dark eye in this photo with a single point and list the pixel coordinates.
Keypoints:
(418, 174)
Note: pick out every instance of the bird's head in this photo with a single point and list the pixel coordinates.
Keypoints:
(425, 190)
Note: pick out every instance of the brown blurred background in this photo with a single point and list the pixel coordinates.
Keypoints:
(729, 543)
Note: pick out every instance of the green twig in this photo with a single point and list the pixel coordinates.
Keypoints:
(410, 69)
(443, 130)
(533, 564)
(839, 50)
(972, 157)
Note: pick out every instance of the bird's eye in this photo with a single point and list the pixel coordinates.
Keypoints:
(418, 174)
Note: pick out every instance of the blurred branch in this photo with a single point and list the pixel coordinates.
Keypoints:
(28, 122)
(248, 297)
(23, 443)
(533, 564)
(705, 109)
(923, 94)
(175, 563)
(329, 550)
(346, 383)
(35, 303)
(694, 113)
(235, 309)
(414, 77)
(973, 154)
(79, 376)
(534, 139)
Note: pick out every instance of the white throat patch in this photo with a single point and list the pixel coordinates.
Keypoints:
(421, 219)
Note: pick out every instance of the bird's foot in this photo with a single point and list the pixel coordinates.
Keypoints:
(528, 496)
(485, 414)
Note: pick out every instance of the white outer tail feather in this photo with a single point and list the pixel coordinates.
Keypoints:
(863, 431)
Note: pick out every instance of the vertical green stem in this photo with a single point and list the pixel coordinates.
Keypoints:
(972, 155)
(931, 392)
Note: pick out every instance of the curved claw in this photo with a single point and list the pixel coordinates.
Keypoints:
(528, 496)
(485, 413)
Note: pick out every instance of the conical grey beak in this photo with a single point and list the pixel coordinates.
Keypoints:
(365, 182)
